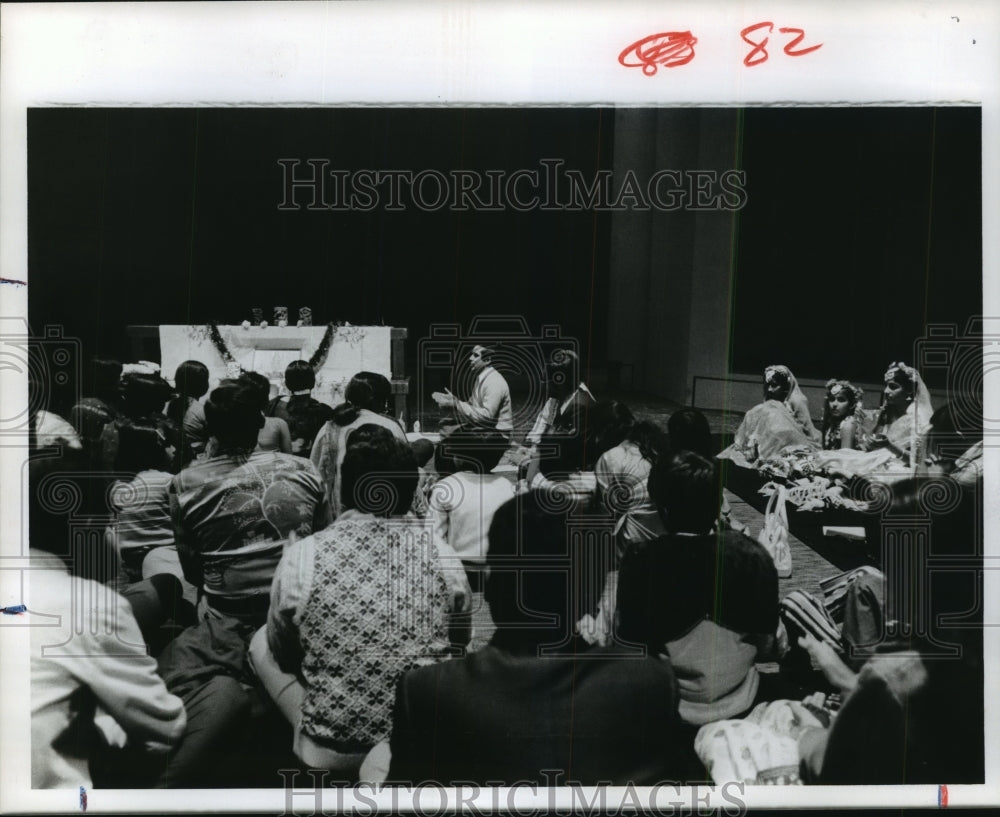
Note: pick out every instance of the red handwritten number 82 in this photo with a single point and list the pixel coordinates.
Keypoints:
(758, 53)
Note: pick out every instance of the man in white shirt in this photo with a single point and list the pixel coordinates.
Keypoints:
(488, 407)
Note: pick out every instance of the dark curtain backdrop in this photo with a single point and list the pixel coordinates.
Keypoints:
(143, 216)
(861, 226)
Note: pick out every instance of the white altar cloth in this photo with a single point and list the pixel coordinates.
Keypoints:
(269, 351)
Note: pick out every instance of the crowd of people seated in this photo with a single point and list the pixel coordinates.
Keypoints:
(274, 557)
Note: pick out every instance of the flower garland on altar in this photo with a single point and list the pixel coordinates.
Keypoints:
(319, 356)
(220, 345)
(315, 362)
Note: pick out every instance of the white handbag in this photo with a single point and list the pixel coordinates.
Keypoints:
(774, 535)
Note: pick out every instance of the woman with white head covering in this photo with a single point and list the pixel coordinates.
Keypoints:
(780, 384)
(906, 411)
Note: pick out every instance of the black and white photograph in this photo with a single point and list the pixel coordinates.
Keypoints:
(365, 450)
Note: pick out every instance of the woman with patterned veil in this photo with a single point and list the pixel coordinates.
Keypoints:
(780, 422)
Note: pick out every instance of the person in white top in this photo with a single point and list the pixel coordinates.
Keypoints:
(462, 505)
(488, 406)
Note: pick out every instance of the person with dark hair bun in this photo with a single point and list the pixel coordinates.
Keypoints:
(356, 605)
(144, 396)
(304, 414)
(366, 400)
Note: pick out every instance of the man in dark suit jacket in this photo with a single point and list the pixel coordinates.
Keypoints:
(569, 399)
(536, 704)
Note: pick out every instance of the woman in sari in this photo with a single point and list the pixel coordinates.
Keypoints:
(364, 400)
(780, 422)
(906, 411)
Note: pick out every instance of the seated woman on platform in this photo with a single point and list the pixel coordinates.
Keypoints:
(843, 416)
(365, 400)
(355, 606)
(905, 414)
(779, 423)
(900, 425)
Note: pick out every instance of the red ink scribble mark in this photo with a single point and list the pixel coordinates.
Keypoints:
(83, 799)
(668, 49)
(758, 53)
(943, 796)
(802, 51)
(13, 281)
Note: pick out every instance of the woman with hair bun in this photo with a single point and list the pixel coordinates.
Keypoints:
(365, 399)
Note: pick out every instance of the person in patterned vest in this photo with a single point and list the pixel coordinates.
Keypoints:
(355, 606)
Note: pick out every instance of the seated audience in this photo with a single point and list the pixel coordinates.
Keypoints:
(92, 414)
(233, 514)
(144, 396)
(356, 605)
(366, 400)
(462, 505)
(688, 430)
(274, 434)
(844, 421)
(304, 414)
(143, 521)
(536, 699)
(190, 386)
(709, 600)
(92, 683)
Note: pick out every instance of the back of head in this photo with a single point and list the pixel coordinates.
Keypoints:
(685, 487)
(234, 417)
(379, 473)
(381, 391)
(191, 379)
(476, 451)
(260, 385)
(689, 431)
(299, 376)
(423, 450)
(144, 394)
(538, 580)
(107, 378)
